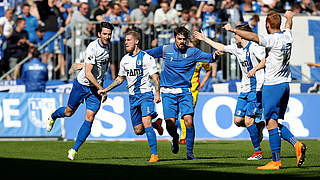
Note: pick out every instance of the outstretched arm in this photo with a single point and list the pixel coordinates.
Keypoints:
(244, 34)
(289, 16)
(202, 37)
(115, 83)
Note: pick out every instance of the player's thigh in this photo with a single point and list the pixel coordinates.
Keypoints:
(284, 100)
(254, 105)
(77, 95)
(241, 106)
(147, 105)
(271, 96)
(135, 111)
(185, 104)
(169, 105)
(93, 100)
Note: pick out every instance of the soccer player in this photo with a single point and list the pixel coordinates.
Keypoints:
(86, 86)
(137, 67)
(275, 91)
(179, 64)
(249, 107)
(195, 85)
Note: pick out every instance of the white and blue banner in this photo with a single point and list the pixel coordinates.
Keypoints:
(25, 114)
(213, 118)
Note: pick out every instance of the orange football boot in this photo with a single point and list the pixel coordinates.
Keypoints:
(272, 165)
(154, 158)
(300, 149)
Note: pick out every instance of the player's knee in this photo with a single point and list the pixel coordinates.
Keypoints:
(239, 122)
(68, 113)
(139, 130)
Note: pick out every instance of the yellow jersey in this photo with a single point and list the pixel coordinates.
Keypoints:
(195, 80)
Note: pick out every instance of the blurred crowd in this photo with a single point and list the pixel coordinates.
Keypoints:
(26, 25)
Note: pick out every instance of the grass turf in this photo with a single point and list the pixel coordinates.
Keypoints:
(128, 159)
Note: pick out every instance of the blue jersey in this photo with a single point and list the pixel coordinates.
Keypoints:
(35, 75)
(179, 65)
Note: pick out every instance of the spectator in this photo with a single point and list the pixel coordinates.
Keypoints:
(230, 13)
(18, 45)
(142, 19)
(35, 74)
(80, 28)
(296, 8)
(307, 7)
(31, 22)
(316, 87)
(38, 40)
(53, 23)
(117, 38)
(265, 9)
(253, 23)
(317, 12)
(185, 20)
(165, 20)
(98, 12)
(250, 6)
(181, 5)
(209, 17)
(6, 22)
(125, 10)
(3, 60)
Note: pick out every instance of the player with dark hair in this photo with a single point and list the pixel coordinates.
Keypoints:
(249, 107)
(179, 64)
(86, 86)
(276, 91)
(137, 67)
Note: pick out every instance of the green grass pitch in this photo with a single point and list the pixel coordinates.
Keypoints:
(128, 160)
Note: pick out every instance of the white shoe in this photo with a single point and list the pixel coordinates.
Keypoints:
(71, 154)
(256, 156)
(50, 123)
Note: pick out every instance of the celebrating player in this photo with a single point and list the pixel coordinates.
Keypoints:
(86, 86)
(196, 85)
(275, 91)
(249, 108)
(179, 64)
(136, 67)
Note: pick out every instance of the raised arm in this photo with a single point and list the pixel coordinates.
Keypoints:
(289, 16)
(250, 36)
(202, 37)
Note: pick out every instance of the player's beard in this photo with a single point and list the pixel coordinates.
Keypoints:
(181, 46)
(130, 49)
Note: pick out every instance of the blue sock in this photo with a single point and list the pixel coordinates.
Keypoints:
(152, 140)
(59, 113)
(190, 134)
(82, 134)
(287, 135)
(253, 131)
(275, 143)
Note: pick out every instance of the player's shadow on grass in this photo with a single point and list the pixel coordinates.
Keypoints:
(25, 168)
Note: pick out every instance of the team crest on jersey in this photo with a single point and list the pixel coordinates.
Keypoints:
(238, 112)
(139, 62)
(184, 55)
(90, 58)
